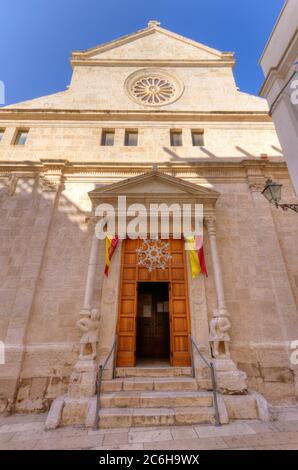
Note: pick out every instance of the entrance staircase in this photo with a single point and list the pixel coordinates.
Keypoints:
(154, 396)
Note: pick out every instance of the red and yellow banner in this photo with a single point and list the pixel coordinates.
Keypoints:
(196, 256)
(111, 244)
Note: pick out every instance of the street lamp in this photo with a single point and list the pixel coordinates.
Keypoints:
(272, 192)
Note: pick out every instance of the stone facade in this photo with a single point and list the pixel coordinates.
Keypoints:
(46, 214)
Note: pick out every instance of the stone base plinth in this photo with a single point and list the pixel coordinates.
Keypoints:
(79, 405)
(230, 380)
(83, 379)
(68, 411)
(250, 406)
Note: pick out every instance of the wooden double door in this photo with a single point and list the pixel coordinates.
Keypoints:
(140, 319)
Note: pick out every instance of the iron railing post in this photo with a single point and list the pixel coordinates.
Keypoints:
(115, 357)
(98, 388)
(99, 380)
(213, 379)
(192, 357)
(214, 387)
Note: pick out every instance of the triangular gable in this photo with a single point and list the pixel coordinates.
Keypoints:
(152, 42)
(154, 183)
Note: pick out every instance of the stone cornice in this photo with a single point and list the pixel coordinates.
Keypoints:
(228, 62)
(26, 114)
(199, 168)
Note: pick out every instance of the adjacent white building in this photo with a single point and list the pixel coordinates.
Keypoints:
(279, 64)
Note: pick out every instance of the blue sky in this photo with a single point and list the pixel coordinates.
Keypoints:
(37, 36)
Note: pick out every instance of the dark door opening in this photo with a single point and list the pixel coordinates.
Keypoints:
(153, 323)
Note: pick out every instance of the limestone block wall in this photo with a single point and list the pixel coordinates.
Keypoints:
(287, 232)
(52, 339)
(17, 216)
(81, 142)
(39, 308)
(258, 281)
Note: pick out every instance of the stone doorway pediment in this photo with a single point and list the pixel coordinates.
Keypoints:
(155, 186)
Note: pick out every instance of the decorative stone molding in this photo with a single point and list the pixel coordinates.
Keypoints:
(110, 115)
(256, 186)
(12, 185)
(153, 87)
(51, 177)
(210, 224)
(49, 184)
(104, 173)
(109, 295)
(196, 295)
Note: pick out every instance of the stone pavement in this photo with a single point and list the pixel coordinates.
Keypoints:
(27, 432)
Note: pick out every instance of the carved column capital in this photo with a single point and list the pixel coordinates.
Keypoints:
(256, 185)
(11, 184)
(210, 221)
(50, 182)
(51, 177)
(91, 220)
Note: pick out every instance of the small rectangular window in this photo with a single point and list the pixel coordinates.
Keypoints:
(21, 137)
(176, 138)
(107, 138)
(131, 138)
(197, 138)
(1, 134)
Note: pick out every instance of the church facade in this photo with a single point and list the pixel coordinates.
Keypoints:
(157, 118)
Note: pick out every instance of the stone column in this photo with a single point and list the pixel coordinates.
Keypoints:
(221, 307)
(89, 286)
(199, 325)
(229, 378)
(109, 310)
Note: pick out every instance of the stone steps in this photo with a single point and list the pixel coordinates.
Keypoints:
(153, 372)
(150, 384)
(153, 396)
(134, 417)
(155, 399)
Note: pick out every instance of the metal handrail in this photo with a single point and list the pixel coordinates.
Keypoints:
(213, 379)
(99, 379)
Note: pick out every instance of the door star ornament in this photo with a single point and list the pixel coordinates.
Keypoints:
(153, 254)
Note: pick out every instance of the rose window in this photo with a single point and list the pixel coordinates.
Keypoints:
(153, 87)
(153, 90)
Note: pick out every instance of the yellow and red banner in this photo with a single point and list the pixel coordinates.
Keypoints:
(111, 244)
(196, 256)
